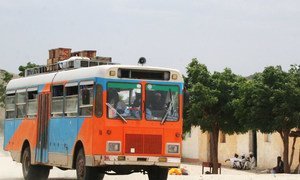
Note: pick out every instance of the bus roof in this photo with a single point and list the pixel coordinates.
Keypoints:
(102, 71)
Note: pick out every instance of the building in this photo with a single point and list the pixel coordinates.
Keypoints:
(266, 147)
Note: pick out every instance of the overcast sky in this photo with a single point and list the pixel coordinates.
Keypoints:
(243, 35)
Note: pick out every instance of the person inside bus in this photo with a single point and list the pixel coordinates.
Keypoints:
(157, 103)
(136, 106)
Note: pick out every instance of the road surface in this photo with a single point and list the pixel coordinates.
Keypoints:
(10, 170)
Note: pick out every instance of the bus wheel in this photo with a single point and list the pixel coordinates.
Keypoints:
(32, 172)
(84, 172)
(158, 173)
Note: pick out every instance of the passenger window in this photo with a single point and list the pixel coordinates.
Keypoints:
(10, 106)
(32, 103)
(71, 101)
(57, 100)
(21, 104)
(86, 99)
(98, 108)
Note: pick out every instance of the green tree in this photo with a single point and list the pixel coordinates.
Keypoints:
(271, 103)
(211, 104)
(6, 77)
(27, 66)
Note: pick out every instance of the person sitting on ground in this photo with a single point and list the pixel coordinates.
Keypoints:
(252, 163)
(280, 166)
(243, 162)
(235, 161)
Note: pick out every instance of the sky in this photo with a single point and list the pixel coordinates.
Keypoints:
(244, 35)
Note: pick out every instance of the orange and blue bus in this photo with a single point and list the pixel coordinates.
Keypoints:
(107, 119)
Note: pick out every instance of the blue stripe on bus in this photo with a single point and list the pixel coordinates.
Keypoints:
(63, 133)
(10, 127)
(40, 88)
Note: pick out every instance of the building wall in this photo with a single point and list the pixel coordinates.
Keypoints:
(228, 148)
(268, 150)
(190, 145)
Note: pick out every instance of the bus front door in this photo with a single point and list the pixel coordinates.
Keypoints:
(41, 155)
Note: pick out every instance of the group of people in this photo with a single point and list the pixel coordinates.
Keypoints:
(249, 163)
(243, 162)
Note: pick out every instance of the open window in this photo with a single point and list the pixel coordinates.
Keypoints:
(57, 100)
(32, 102)
(71, 99)
(86, 98)
(10, 105)
(21, 103)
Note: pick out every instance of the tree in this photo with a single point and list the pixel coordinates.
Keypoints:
(271, 103)
(5, 79)
(211, 103)
(27, 66)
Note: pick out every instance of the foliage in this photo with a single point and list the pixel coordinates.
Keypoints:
(5, 79)
(212, 97)
(27, 66)
(271, 103)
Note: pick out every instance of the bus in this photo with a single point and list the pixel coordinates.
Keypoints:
(106, 119)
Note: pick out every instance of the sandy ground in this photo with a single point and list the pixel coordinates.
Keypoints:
(12, 171)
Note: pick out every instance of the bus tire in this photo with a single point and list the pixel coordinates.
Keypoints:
(32, 172)
(158, 173)
(84, 172)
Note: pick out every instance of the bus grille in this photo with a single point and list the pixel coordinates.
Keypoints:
(143, 143)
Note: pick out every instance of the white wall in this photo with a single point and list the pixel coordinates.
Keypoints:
(190, 144)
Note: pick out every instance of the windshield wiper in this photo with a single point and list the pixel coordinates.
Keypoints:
(112, 108)
(170, 104)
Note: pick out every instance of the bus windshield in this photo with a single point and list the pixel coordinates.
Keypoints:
(162, 102)
(124, 100)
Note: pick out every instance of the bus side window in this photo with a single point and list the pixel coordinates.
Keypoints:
(10, 106)
(86, 99)
(57, 100)
(21, 104)
(32, 104)
(71, 101)
(98, 100)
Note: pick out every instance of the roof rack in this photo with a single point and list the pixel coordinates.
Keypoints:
(69, 64)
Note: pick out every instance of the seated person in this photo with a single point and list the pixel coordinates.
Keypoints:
(235, 161)
(280, 166)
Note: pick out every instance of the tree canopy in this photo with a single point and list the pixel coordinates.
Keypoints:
(211, 106)
(6, 77)
(271, 103)
(27, 66)
(212, 97)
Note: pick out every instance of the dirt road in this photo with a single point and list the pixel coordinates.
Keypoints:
(10, 170)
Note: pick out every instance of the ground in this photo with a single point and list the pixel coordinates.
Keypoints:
(12, 171)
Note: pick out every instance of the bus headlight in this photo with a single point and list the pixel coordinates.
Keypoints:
(173, 148)
(113, 146)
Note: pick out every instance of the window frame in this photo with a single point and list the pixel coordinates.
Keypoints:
(32, 89)
(14, 104)
(98, 101)
(68, 85)
(57, 114)
(19, 91)
(86, 83)
(162, 84)
(141, 105)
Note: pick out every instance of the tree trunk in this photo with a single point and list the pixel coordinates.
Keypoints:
(214, 149)
(293, 151)
(285, 139)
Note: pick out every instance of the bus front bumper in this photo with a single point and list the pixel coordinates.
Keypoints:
(102, 160)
